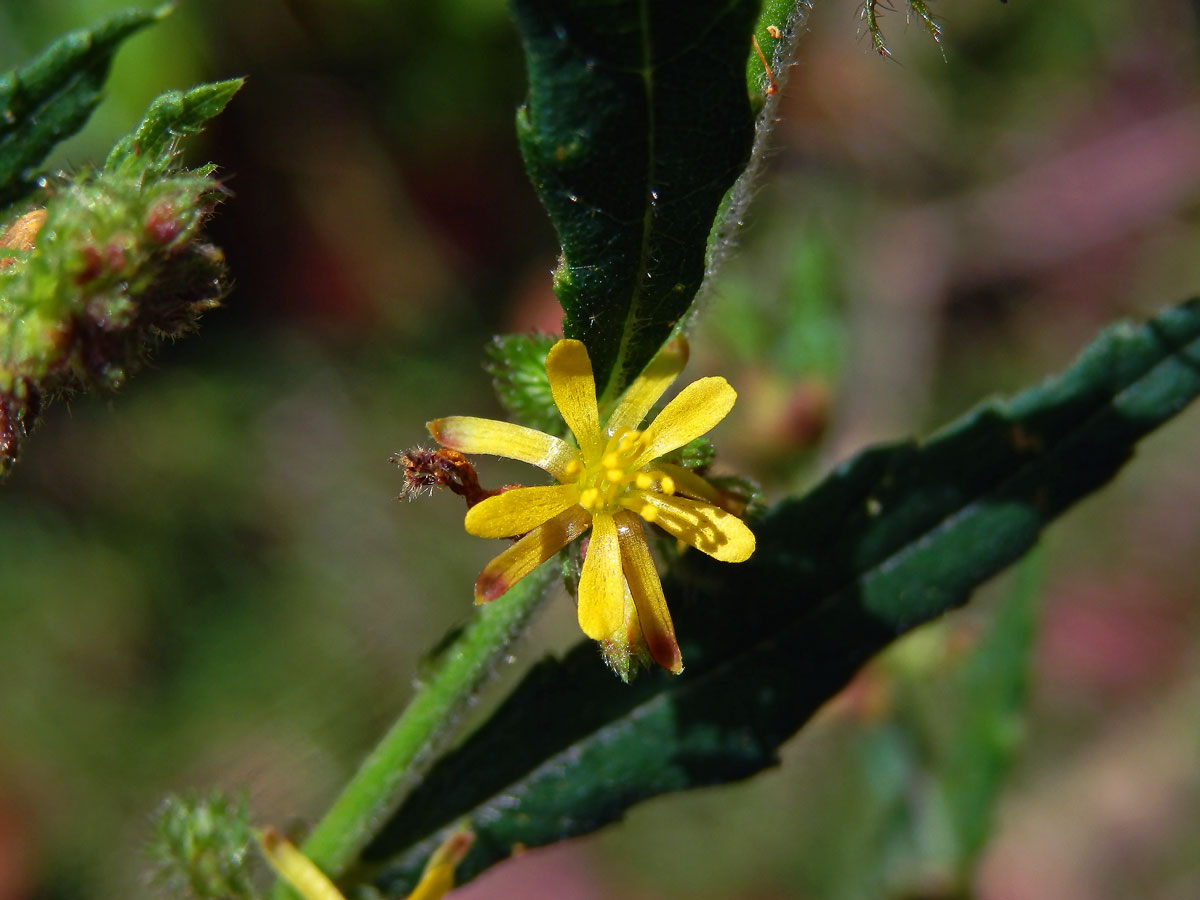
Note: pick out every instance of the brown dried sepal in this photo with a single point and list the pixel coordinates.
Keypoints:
(19, 408)
(426, 469)
(9, 433)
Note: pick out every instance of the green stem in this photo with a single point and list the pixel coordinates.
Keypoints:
(377, 788)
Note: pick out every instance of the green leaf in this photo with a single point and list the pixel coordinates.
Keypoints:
(51, 97)
(517, 364)
(893, 538)
(171, 117)
(637, 122)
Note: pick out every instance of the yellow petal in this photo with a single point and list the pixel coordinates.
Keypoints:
(602, 585)
(574, 390)
(710, 530)
(530, 552)
(438, 878)
(649, 386)
(619, 649)
(690, 483)
(468, 434)
(517, 511)
(436, 883)
(694, 411)
(653, 615)
(295, 868)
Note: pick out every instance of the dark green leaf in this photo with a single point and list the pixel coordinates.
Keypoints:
(50, 98)
(637, 123)
(517, 364)
(171, 117)
(893, 538)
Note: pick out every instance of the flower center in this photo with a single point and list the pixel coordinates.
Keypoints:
(604, 481)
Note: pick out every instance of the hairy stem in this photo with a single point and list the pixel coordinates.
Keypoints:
(377, 788)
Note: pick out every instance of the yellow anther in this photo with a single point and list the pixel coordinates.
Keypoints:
(643, 481)
(648, 512)
(589, 498)
(574, 468)
(627, 439)
(667, 484)
(610, 460)
(615, 475)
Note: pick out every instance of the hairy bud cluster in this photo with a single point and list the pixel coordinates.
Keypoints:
(93, 277)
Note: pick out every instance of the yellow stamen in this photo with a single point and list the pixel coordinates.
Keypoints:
(588, 498)
(574, 468)
(610, 460)
(668, 485)
(643, 481)
(648, 512)
(615, 475)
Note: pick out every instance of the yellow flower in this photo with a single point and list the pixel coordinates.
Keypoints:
(311, 883)
(608, 481)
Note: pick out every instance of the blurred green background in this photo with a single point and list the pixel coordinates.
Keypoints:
(205, 580)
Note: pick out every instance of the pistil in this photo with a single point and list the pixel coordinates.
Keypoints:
(604, 482)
